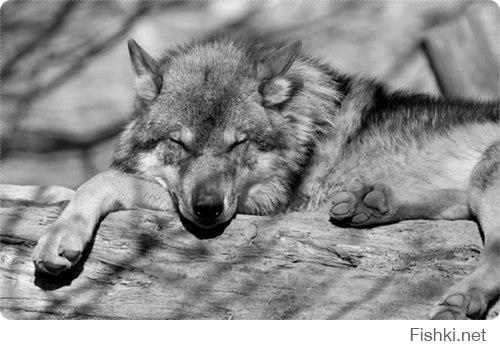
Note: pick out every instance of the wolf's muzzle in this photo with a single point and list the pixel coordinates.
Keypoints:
(208, 205)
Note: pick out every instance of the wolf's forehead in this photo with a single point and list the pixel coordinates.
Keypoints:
(206, 85)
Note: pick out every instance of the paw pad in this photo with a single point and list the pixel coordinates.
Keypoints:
(459, 306)
(360, 205)
(455, 300)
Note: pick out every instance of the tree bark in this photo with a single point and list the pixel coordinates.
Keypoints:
(144, 265)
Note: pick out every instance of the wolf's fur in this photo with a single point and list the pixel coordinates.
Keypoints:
(271, 129)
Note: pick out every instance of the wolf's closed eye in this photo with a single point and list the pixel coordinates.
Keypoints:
(237, 143)
(180, 143)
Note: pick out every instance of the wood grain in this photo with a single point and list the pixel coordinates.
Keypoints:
(144, 265)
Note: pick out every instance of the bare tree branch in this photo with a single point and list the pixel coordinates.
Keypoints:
(60, 18)
(90, 52)
(51, 141)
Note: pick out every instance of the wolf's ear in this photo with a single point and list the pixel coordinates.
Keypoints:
(275, 89)
(148, 77)
(278, 62)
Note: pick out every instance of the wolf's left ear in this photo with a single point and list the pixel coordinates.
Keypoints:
(276, 89)
(148, 77)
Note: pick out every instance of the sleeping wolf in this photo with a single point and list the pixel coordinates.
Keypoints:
(228, 125)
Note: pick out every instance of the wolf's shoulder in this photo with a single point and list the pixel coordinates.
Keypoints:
(428, 111)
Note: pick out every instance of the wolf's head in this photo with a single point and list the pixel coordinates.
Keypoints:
(227, 126)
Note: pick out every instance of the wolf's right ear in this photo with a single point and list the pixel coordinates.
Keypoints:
(279, 62)
(148, 79)
(275, 89)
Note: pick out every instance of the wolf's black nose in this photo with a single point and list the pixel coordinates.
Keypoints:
(208, 206)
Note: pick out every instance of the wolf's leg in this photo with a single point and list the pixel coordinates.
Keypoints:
(62, 246)
(472, 296)
(361, 205)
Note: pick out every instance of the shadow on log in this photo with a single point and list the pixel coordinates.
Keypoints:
(144, 265)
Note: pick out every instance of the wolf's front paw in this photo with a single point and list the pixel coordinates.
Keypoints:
(59, 249)
(460, 306)
(361, 205)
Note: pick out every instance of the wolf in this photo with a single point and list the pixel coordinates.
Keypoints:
(228, 125)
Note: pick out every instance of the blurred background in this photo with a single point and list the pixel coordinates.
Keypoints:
(67, 86)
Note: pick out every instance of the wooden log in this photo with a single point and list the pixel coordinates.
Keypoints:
(461, 56)
(144, 265)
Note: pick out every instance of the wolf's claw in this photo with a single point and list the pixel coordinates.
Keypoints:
(360, 205)
(343, 204)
